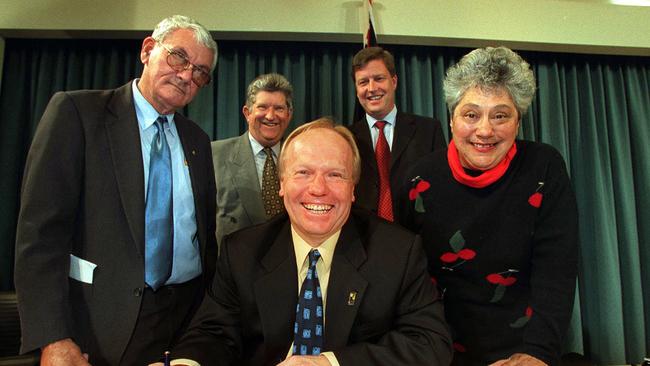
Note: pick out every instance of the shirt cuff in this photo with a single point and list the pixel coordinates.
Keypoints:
(331, 358)
(184, 361)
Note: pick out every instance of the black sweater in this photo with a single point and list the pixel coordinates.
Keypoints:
(504, 256)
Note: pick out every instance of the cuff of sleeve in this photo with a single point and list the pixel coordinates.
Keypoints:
(331, 358)
(184, 361)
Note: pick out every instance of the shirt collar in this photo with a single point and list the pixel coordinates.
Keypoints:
(145, 112)
(390, 118)
(326, 249)
(257, 147)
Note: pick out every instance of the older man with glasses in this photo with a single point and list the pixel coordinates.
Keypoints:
(114, 254)
(178, 61)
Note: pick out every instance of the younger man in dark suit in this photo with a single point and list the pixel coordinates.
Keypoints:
(324, 285)
(115, 240)
(389, 141)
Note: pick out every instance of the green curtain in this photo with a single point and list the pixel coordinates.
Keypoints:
(594, 109)
(319, 75)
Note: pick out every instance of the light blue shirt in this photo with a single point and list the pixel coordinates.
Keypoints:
(260, 156)
(187, 255)
(389, 128)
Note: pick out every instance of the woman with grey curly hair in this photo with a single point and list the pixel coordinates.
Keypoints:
(498, 219)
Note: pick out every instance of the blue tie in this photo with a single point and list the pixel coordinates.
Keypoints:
(308, 329)
(159, 225)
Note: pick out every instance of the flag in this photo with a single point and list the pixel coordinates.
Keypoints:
(370, 38)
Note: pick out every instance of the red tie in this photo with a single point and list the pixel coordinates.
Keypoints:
(382, 154)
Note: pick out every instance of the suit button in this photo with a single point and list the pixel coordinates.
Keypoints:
(137, 292)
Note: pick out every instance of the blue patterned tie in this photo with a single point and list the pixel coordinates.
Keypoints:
(308, 329)
(159, 225)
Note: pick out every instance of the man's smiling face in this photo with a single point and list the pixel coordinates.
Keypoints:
(317, 183)
(375, 88)
(268, 117)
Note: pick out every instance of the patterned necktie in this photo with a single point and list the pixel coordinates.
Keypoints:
(271, 186)
(159, 226)
(308, 329)
(382, 154)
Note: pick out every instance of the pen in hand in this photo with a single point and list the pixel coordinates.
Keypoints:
(167, 354)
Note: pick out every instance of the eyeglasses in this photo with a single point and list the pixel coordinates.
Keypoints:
(179, 62)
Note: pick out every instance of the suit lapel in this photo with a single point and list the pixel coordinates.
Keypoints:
(402, 136)
(245, 179)
(346, 287)
(126, 154)
(276, 292)
(364, 141)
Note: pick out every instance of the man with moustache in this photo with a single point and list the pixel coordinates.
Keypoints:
(320, 285)
(245, 166)
(115, 239)
(389, 141)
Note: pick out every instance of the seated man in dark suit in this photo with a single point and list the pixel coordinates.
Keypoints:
(323, 285)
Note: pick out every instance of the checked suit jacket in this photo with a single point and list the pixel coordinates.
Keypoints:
(239, 195)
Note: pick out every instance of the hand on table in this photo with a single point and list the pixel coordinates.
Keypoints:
(63, 353)
(305, 361)
(520, 359)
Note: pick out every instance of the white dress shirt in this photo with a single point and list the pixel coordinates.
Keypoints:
(389, 128)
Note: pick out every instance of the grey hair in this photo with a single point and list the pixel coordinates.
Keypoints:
(269, 83)
(490, 69)
(201, 34)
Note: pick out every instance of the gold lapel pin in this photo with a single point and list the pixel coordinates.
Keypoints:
(193, 152)
(352, 298)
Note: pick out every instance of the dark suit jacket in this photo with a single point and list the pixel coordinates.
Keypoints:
(239, 196)
(248, 316)
(413, 137)
(83, 194)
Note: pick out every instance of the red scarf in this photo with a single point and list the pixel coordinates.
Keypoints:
(487, 177)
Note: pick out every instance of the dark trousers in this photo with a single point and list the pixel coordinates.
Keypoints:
(163, 317)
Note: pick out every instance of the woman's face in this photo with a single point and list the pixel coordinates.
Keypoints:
(484, 126)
